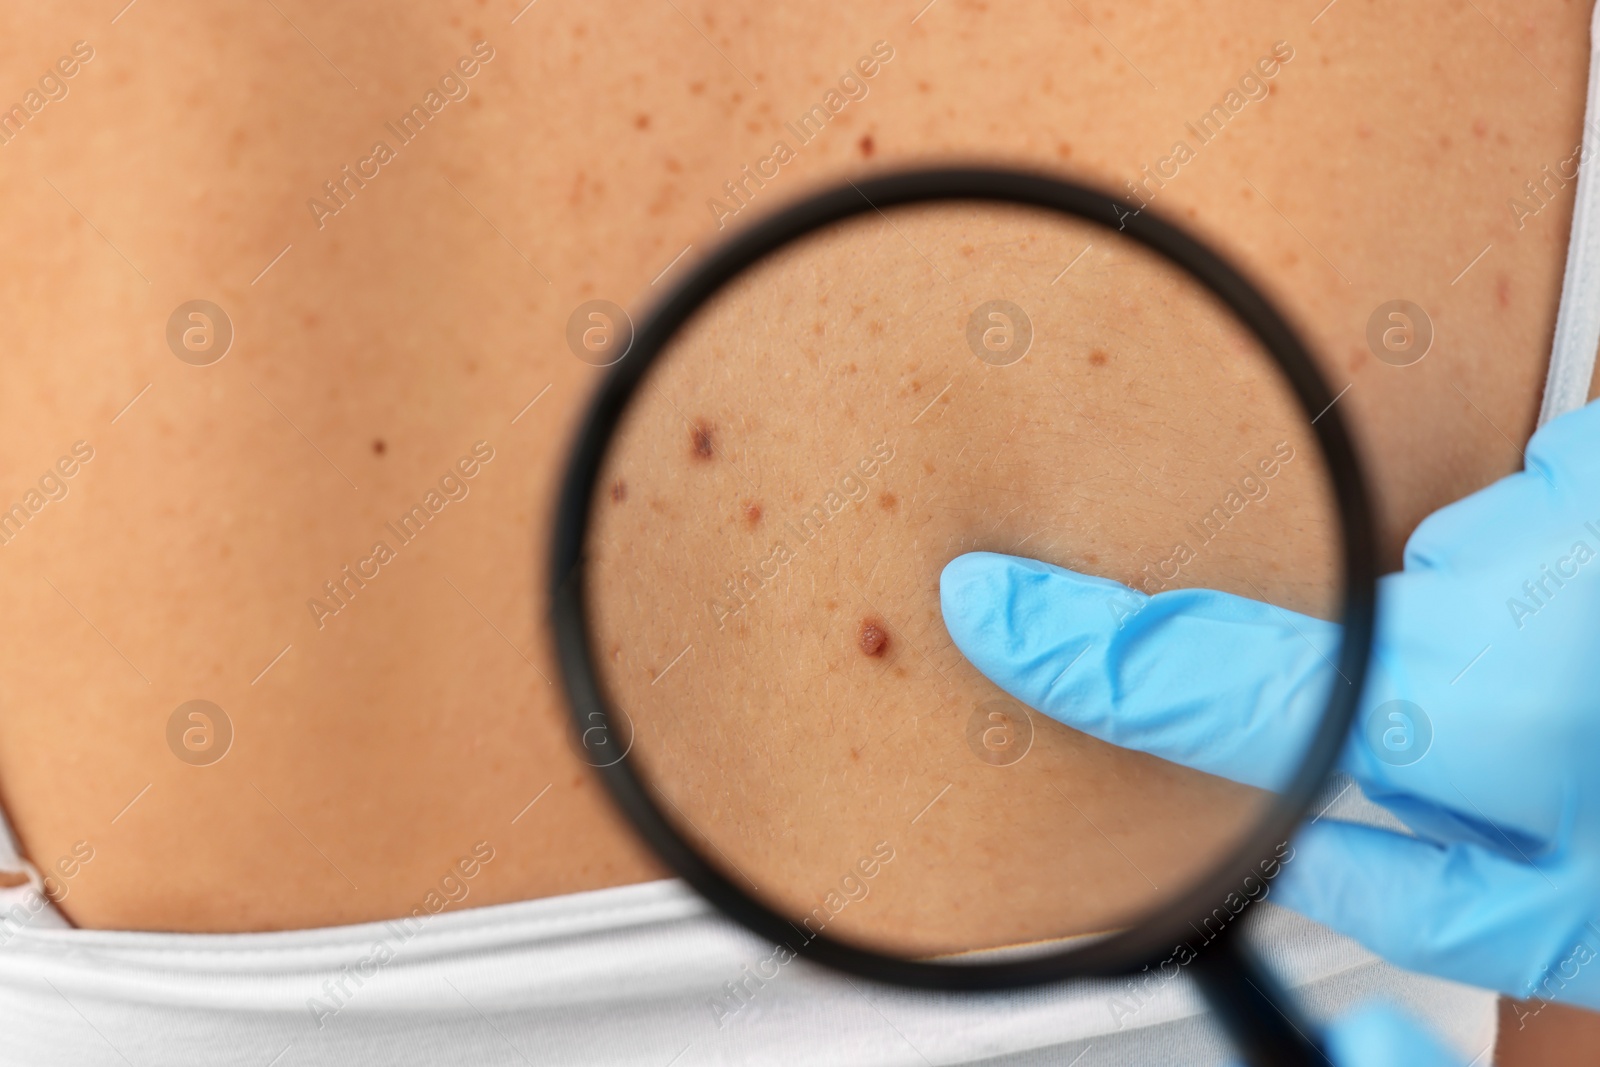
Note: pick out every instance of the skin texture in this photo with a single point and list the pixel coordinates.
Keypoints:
(820, 441)
(426, 314)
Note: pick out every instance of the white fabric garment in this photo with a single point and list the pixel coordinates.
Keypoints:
(642, 975)
(1572, 355)
(635, 976)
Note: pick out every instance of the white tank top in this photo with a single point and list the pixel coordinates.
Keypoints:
(649, 975)
(644, 976)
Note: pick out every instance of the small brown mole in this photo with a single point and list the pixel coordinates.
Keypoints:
(752, 511)
(1098, 358)
(619, 491)
(866, 145)
(887, 501)
(378, 447)
(873, 639)
(700, 440)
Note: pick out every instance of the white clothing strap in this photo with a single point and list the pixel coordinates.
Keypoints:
(1572, 354)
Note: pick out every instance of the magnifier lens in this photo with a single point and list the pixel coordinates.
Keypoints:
(788, 482)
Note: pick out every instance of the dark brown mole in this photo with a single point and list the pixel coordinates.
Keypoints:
(873, 639)
(700, 440)
(866, 146)
(1098, 358)
(378, 447)
(752, 511)
(619, 491)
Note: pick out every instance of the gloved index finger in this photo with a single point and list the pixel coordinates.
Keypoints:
(1221, 683)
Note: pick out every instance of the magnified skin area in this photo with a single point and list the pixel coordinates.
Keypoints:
(810, 452)
(592, 142)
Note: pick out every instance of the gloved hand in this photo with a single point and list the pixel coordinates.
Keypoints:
(1380, 1036)
(1491, 633)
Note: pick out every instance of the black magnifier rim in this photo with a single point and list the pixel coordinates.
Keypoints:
(1117, 953)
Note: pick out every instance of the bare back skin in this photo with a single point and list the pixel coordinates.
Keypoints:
(413, 327)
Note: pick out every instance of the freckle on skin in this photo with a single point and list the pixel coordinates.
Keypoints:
(873, 639)
(887, 501)
(641, 122)
(700, 440)
(1502, 291)
(866, 146)
(619, 491)
(752, 511)
(378, 447)
(1098, 358)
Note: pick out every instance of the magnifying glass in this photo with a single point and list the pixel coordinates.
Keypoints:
(826, 411)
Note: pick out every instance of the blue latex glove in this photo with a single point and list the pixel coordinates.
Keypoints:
(1380, 1036)
(1492, 630)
